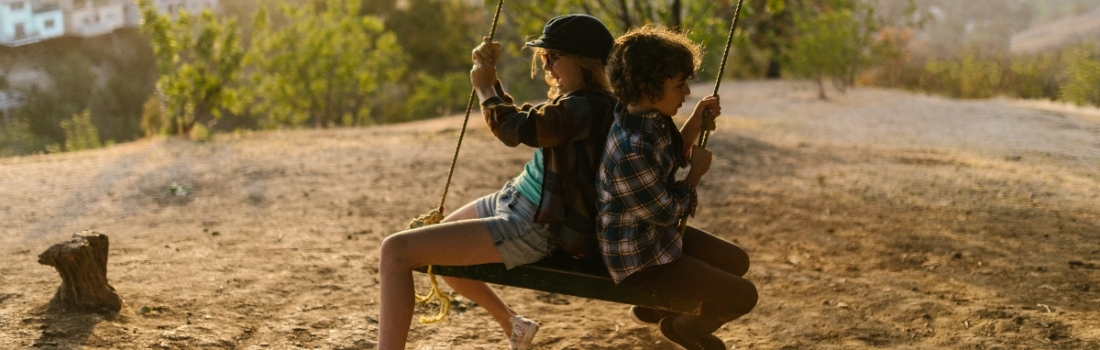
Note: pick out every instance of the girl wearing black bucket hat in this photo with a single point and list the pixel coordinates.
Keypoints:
(550, 205)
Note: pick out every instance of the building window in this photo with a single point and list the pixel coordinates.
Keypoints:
(49, 23)
(17, 6)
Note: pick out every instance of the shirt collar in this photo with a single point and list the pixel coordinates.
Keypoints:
(646, 121)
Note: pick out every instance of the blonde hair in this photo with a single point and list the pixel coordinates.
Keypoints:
(594, 73)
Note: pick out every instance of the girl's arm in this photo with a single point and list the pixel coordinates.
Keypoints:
(563, 120)
(483, 76)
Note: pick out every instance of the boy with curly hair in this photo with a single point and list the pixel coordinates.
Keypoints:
(641, 202)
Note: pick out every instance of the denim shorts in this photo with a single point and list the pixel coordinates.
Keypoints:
(509, 217)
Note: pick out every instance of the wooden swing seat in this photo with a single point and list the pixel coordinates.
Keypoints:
(562, 274)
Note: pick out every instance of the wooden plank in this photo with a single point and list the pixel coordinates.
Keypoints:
(564, 275)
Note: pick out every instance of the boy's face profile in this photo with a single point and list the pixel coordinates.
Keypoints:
(676, 89)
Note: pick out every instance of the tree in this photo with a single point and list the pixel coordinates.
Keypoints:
(199, 60)
(115, 112)
(835, 42)
(73, 83)
(324, 67)
(431, 29)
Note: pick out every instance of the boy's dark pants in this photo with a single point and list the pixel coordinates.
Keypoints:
(710, 270)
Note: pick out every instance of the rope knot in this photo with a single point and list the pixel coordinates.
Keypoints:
(431, 218)
(708, 121)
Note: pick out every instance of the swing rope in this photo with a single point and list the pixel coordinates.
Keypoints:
(436, 215)
(708, 118)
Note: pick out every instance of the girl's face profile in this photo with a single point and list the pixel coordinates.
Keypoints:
(563, 71)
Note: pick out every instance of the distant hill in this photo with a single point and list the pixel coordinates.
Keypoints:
(1067, 31)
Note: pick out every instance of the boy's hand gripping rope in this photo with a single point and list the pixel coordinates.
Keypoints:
(436, 215)
(708, 118)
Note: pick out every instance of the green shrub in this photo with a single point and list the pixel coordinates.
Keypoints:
(200, 133)
(1082, 75)
(966, 76)
(433, 97)
(17, 139)
(153, 119)
(1033, 76)
(80, 133)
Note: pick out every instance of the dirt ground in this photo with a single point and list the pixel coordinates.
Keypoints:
(877, 219)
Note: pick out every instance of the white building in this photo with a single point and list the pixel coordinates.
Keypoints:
(27, 21)
(87, 18)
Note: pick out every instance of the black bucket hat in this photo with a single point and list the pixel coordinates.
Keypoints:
(576, 34)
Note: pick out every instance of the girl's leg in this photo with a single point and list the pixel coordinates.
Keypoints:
(465, 242)
(478, 291)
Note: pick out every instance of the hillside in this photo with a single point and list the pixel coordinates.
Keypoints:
(877, 219)
(1083, 28)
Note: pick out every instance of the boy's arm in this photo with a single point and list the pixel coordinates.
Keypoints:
(694, 125)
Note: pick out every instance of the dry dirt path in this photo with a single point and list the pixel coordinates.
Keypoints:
(878, 219)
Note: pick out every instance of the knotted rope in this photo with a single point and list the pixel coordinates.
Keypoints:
(708, 118)
(436, 215)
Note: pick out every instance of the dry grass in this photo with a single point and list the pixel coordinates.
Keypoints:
(877, 219)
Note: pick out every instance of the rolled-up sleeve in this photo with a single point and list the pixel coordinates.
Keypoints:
(563, 120)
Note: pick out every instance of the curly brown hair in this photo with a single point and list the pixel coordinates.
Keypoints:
(644, 58)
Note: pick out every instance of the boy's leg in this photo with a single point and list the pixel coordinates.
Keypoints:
(725, 296)
(715, 251)
(710, 249)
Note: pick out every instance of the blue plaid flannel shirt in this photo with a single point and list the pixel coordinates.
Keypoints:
(640, 202)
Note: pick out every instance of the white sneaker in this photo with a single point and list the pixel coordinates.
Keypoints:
(523, 332)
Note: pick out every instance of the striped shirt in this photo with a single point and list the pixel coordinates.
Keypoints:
(640, 201)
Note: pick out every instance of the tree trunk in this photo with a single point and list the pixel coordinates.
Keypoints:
(821, 88)
(625, 16)
(82, 263)
(676, 21)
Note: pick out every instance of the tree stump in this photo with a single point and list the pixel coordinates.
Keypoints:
(82, 263)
